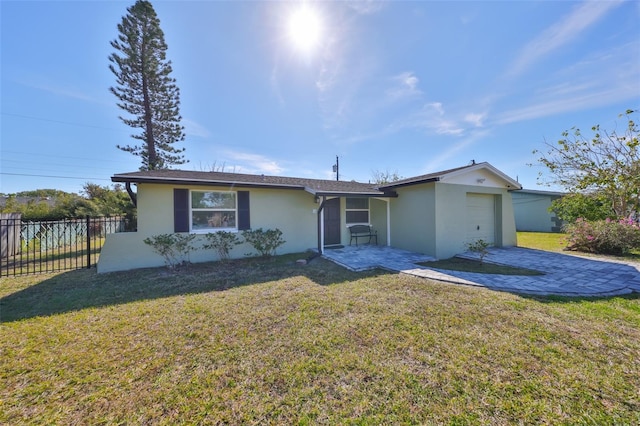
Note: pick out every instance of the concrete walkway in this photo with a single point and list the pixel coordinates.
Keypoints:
(566, 275)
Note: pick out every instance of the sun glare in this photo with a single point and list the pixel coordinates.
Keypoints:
(305, 29)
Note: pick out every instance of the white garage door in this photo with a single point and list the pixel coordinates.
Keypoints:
(481, 222)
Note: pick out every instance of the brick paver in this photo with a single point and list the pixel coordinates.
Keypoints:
(564, 274)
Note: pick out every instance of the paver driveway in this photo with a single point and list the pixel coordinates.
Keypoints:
(564, 274)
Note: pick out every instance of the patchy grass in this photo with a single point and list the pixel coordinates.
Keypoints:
(551, 241)
(269, 342)
(470, 265)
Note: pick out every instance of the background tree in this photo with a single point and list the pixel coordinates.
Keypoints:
(383, 177)
(586, 206)
(607, 164)
(48, 204)
(145, 88)
(110, 201)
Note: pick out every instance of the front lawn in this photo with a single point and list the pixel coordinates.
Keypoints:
(548, 241)
(552, 241)
(271, 342)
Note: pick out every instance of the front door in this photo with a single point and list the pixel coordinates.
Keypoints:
(332, 222)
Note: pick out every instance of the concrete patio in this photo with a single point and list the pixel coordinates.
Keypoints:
(564, 274)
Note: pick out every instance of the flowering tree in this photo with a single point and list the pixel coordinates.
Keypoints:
(607, 163)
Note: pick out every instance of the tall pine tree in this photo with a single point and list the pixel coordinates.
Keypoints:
(145, 88)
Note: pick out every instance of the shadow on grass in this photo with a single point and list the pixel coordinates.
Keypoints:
(81, 289)
(552, 298)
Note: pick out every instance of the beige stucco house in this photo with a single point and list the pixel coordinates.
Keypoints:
(436, 214)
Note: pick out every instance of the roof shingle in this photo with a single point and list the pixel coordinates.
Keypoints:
(315, 186)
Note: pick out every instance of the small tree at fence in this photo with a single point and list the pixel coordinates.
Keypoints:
(265, 242)
(222, 242)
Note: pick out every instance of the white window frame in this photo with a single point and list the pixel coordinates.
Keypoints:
(347, 210)
(213, 229)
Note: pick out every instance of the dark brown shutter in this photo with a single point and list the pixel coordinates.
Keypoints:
(244, 216)
(180, 210)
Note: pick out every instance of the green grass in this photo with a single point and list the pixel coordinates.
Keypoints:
(470, 265)
(33, 260)
(555, 242)
(549, 241)
(270, 342)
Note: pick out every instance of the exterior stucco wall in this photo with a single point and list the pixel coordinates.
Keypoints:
(378, 218)
(451, 217)
(291, 211)
(413, 221)
(431, 218)
(532, 212)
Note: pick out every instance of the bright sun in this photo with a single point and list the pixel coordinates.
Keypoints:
(305, 29)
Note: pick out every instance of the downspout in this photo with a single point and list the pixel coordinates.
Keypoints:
(132, 195)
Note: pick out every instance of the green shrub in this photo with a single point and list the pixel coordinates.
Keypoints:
(479, 246)
(265, 242)
(603, 236)
(174, 248)
(222, 242)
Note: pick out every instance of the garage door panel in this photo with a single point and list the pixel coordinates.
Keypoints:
(480, 218)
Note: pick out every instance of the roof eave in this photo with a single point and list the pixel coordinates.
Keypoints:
(409, 183)
(354, 194)
(199, 182)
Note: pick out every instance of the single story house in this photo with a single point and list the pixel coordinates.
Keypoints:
(531, 210)
(436, 214)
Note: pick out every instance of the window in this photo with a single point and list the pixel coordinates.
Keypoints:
(357, 210)
(213, 210)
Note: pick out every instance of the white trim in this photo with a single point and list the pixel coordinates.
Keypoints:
(322, 231)
(213, 229)
(484, 165)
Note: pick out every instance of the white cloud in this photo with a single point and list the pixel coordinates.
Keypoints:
(432, 117)
(366, 7)
(275, 84)
(436, 163)
(476, 119)
(194, 129)
(601, 79)
(561, 33)
(566, 104)
(254, 163)
(67, 92)
(405, 86)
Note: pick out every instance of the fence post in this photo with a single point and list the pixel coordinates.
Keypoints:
(88, 242)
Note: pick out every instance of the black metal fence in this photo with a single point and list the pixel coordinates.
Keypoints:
(50, 246)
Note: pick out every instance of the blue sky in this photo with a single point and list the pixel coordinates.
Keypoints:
(406, 87)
